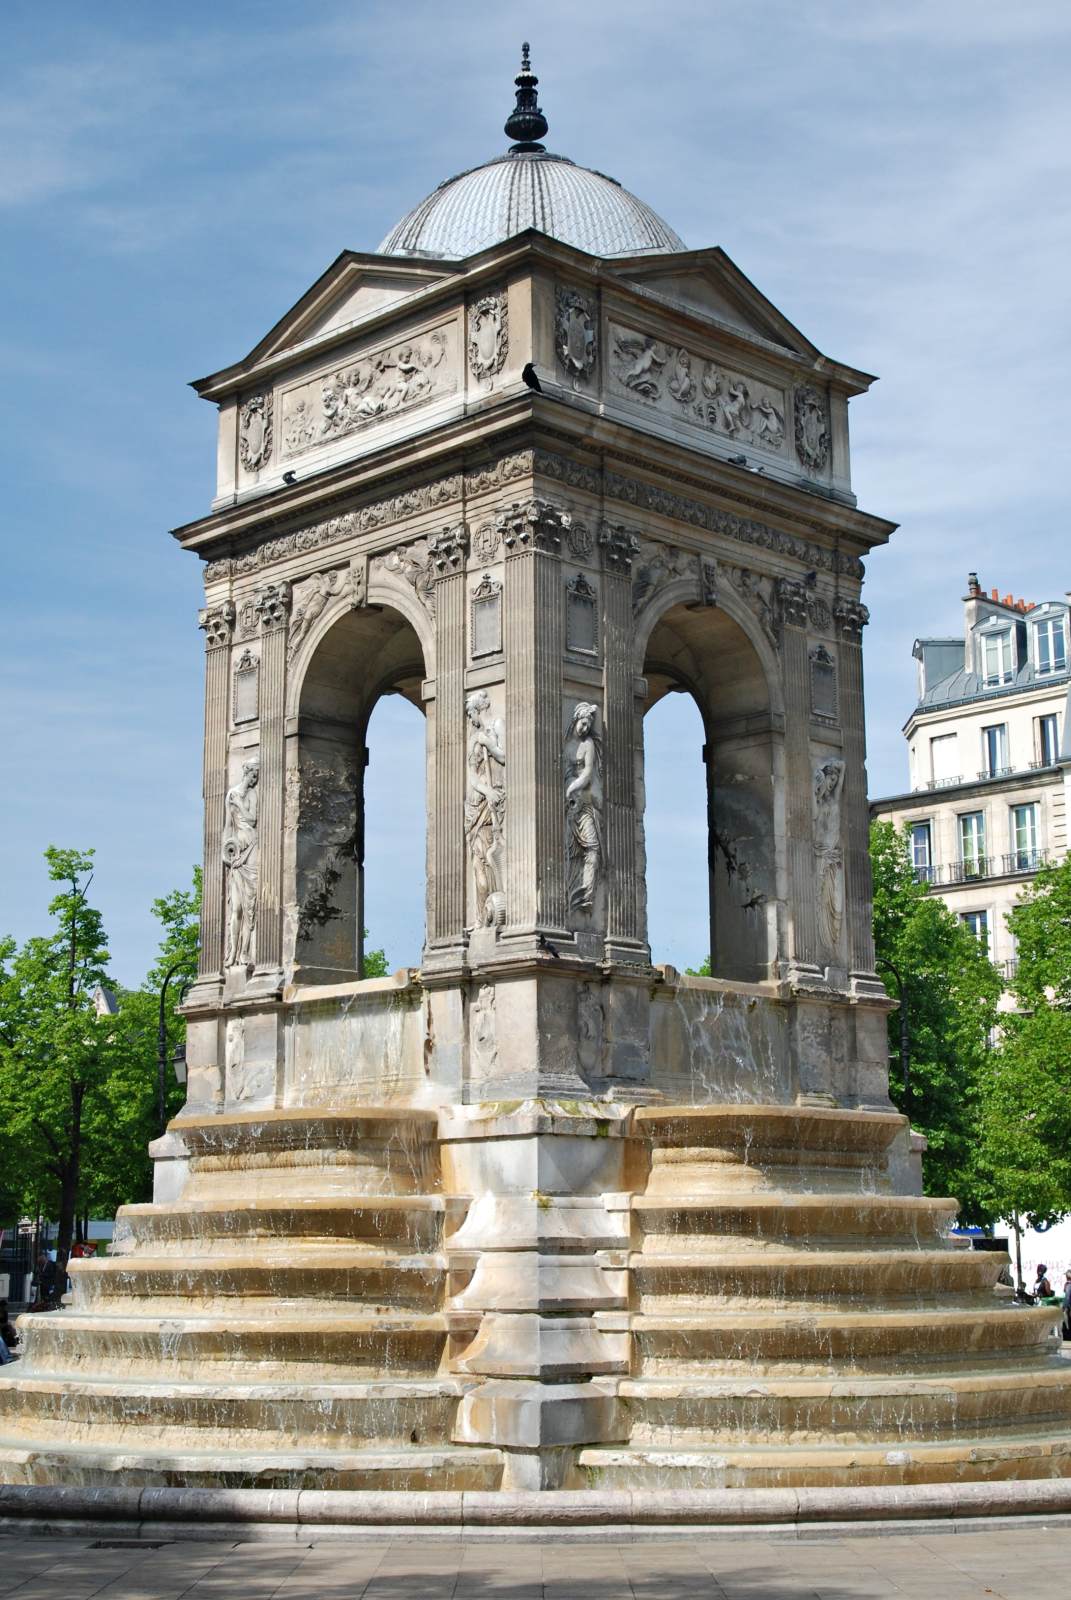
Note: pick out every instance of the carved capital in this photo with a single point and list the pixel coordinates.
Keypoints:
(619, 548)
(792, 602)
(357, 586)
(273, 605)
(534, 525)
(218, 624)
(446, 550)
(708, 582)
(851, 618)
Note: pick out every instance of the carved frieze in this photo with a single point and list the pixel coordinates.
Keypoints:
(583, 806)
(365, 391)
(486, 613)
(246, 696)
(310, 600)
(497, 474)
(218, 625)
(575, 338)
(239, 852)
(682, 383)
(581, 616)
(488, 335)
(812, 428)
(254, 431)
(273, 603)
(485, 809)
(827, 794)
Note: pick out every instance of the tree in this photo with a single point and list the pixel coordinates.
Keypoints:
(54, 1047)
(948, 990)
(1027, 1105)
(374, 963)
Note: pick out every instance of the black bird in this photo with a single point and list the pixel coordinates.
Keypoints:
(289, 477)
(528, 373)
(738, 461)
(545, 944)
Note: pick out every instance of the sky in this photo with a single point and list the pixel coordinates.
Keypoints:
(892, 174)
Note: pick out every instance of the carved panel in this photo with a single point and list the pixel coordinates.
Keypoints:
(581, 616)
(683, 384)
(254, 431)
(823, 684)
(575, 338)
(376, 386)
(246, 699)
(488, 335)
(310, 600)
(812, 428)
(487, 617)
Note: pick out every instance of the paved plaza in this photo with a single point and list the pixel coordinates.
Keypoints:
(1006, 1563)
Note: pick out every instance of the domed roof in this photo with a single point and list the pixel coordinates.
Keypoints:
(528, 187)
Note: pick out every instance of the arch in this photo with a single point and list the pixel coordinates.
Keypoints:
(348, 661)
(717, 656)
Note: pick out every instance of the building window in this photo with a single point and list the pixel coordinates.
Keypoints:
(994, 751)
(972, 844)
(1050, 648)
(1047, 740)
(1024, 831)
(978, 923)
(944, 760)
(996, 658)
(922, 851)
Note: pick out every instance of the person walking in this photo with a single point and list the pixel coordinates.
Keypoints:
(1041, 1288)
(9, 1338)
(1065, 1325)
(44, 1283)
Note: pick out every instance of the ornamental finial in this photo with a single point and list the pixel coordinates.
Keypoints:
(526, 122)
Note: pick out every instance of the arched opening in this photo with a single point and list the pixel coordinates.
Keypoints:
(366, 657)
(394, 822)
(675, 829)
(703, 652)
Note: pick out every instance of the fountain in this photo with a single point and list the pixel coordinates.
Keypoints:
(536, 1216)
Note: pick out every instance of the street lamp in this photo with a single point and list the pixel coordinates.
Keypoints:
(161, 1043)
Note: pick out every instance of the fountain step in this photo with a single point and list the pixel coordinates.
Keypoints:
(804, 1277)
(414, 1220)
(860, 1410)
(835, 1221)
(838, 1341)
(229, 1417)
(413, 1467)
(284, 1347)
(812, 1466)
(300, 1271)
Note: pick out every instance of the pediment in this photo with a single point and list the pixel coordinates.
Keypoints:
(709, 282)
(351, 290)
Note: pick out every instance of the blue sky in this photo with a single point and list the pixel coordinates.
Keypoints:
(894, 175)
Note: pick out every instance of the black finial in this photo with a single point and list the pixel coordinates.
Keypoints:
(526, 122)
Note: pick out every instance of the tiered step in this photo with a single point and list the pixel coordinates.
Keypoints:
(796, 1323)
(281, 1322)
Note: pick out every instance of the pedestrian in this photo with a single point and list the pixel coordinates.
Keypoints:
(9, 1338)
(1065, 1329)
(1041, 1288)
(44, 1283)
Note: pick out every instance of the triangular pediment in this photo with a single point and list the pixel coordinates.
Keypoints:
(707, 281)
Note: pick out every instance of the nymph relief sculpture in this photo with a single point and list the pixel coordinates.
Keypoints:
(485, 809)
(828, 854)
(239, 851)
(583, 805)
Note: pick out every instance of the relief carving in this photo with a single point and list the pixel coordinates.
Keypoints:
(590, 1026)
(239, 852)
(364, 391)
(583, 806)
(412, 562)
(254, 431)
(488, 336)
(485, 543)
(310, 600)
(758, 593)
(574, 333)
(812, 428)
(485, 809)
(743, 409)
(273, 605)
(657, 565)
(324, 803)
(638, 362)
(581, 541)
(681, 383)
(828, 855)
(484, 1033)
(248, 620)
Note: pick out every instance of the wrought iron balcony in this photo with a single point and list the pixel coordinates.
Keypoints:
(952, 872)
(996, 772)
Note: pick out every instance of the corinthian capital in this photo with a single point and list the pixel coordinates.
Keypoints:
(272, 605)
(792, 602)
(619, 547)
(534, 525)
(446, 550)
(852, 617)
(218, 624)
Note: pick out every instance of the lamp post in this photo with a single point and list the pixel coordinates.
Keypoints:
(161, 1043)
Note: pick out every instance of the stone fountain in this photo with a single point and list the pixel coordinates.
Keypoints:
(536, 1215)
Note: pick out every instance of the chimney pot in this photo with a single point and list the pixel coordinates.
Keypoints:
(995, 594)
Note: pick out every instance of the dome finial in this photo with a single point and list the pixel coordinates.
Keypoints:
(526, 122)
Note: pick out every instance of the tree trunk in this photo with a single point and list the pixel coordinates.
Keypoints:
(69, 1182)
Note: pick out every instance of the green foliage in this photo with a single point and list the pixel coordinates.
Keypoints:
(1027, 1111)
(702, 971)
(934, 964)
(374, 962)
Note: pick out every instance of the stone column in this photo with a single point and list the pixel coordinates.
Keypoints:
(446, 886)
(624, 931)
(852, 617)
(803, 958)
(535, 827)
(273, 608)
(218, 624)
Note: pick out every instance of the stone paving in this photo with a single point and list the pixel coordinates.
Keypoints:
(1003, 1563)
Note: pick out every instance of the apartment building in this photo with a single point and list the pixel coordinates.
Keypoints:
(989, 761)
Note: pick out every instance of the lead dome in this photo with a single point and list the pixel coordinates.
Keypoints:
(529, 187)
